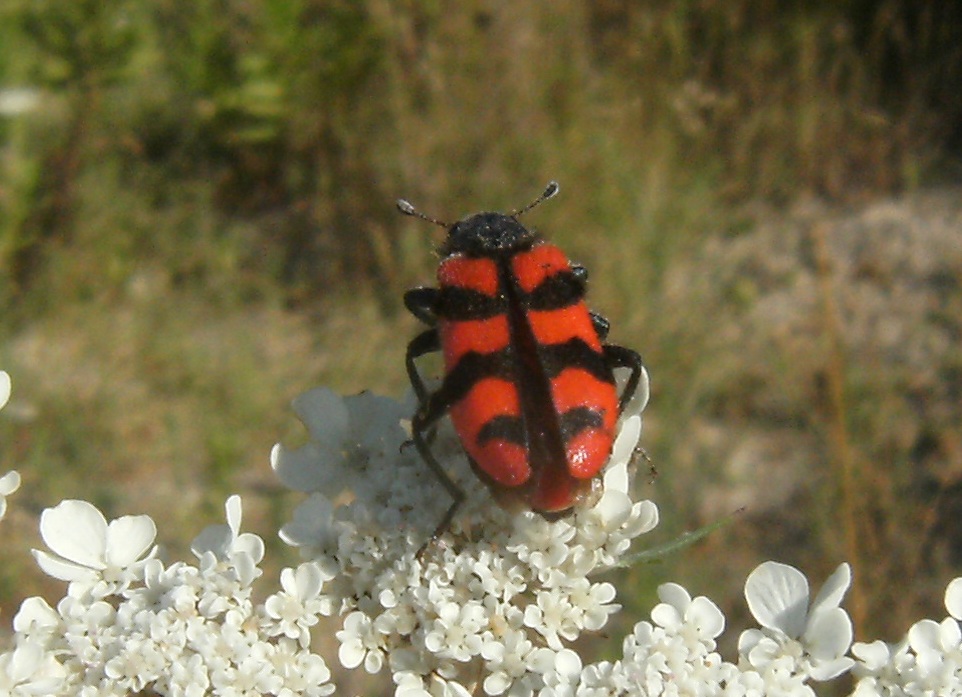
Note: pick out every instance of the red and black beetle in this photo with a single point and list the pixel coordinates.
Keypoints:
(528, 378)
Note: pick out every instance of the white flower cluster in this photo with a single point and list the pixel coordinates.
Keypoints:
(675, 653)
(497, 596)
(491, 608)
(928, 661)
(128, 623)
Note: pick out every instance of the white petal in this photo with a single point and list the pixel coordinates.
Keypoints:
(496, 683)
(614, 508)
(128, 538)
(9, 483)
(77, 531)
(647, 512)
(925, 638)
(828, 670)
(603, 593)
(288, 583)
(949, 634)
(953, 598)
(34, 614)
(351, 654)
(309, 580)
(640, 399)
(705, 615)
(777, 596)
(24, 662)
(375, 420)
(874, 655)
(4, 388)
(568, 664)
(313, 467)
(250, 544)
(748, 640)
(64, 570)
(541, 660)
(834, 589)
(675, 595)
(829, 634)
(215, 539)
(324, 413)
(234, 513)
(311, 523)
(667, 616)
(616, 476)
(625, 443)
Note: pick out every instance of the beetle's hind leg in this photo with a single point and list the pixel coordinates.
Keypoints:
(422, 432)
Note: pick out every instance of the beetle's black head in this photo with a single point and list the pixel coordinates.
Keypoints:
(487, 234)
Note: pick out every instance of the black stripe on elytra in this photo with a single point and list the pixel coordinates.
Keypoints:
(471, 368)
(559, 290)
(579, 419)
(575, 353)
(460, 304)
(509, 429)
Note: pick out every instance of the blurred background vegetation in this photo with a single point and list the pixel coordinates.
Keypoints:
(197, 223)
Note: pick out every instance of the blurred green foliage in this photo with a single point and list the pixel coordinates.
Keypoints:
(305, 117)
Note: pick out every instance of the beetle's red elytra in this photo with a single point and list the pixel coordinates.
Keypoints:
(528, 379)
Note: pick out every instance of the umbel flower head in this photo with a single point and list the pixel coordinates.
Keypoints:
(500, 595)
(129, 623)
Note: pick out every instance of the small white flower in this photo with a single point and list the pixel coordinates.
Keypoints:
(696, 621)
(89, 551)
(510, 661)
(953, 598)
(4, 388)
(564, 676)
(313, 527)
(9, 483)
(455, 632)
(360, 643)
(227, 542)
(29, 670)
(881, 667)
(346, 433)
(36, 618)
(295, 609)
(938, 653)
(815, 639)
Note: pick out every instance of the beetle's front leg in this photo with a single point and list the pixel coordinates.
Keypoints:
(425, 342)
(421, 302)
(621, 357)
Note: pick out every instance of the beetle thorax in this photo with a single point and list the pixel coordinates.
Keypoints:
(487, 234)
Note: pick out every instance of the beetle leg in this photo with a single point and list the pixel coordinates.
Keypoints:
(601, 325)
(580, 273)
(424, 421)
(426, 342)
(420, 302)
(621, 357)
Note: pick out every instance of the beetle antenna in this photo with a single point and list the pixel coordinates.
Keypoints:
(548, 192)
(408, 208)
